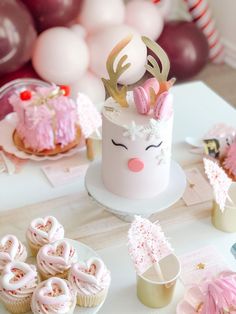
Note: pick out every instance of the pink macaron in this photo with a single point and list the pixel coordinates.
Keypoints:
(141, 100)
(164, 106)
(151, 83)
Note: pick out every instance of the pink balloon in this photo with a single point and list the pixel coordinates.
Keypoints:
(17, 35)
(99, 14)
(51, 13)
(101, 43)
(145, 18)
(90, 85)
(26, 71)
(60, 55)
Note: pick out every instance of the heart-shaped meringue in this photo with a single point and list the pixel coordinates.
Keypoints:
(58, 252)
(55, 291)
(45, 227)
(91, 271)
(9, 246)
(17, 274)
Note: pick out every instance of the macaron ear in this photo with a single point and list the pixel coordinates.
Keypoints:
(141, 100)
(151, 83)
(152, 88)
(164, 106)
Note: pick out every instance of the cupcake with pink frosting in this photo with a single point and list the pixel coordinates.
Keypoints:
(53, 296)
(55, 259)
(11, 249)
(42, 231)
(17, 284)
(91, 281)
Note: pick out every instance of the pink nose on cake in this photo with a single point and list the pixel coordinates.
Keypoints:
(135, 164)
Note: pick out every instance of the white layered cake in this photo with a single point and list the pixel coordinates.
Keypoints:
(136, 151)
(137, 139)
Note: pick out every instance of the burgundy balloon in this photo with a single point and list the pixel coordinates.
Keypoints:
(26, 71)
(17, 35)
(186, 47)
(50, 13)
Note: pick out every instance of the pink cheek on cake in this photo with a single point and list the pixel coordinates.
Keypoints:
(135, 165)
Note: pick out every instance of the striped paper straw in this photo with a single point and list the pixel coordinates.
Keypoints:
(201, 15)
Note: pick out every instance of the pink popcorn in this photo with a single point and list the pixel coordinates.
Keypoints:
(147, 244)
(219, 181)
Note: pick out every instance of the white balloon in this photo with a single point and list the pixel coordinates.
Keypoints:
(164, 7)
(101, 43)
(96, 14)
(145, 18)
(90, 85)
(60, 55)
(79, 30)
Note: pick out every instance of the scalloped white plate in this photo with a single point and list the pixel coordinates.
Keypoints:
(7, 127)
(126, 208)
(84, 252)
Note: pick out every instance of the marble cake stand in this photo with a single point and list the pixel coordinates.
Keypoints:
(126, 208)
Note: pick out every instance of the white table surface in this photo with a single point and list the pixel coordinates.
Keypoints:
(122, 294)
(197, 108)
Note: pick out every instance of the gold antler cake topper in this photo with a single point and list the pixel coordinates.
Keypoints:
(160, 74)
(111, 84)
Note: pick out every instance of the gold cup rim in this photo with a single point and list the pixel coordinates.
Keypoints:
(167, 281)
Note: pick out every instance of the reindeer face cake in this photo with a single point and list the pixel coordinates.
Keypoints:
(137, 129)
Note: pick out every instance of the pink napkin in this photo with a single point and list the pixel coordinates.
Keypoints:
(200, 264)
(198, 189)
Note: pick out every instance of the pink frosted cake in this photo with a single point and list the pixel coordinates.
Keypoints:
(137, 130)
(11, 249)
(17, 284)
(53, 296)
(90, 280)
(49, 122)
(55, 259)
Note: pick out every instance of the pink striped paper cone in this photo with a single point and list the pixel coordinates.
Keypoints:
(201, 15)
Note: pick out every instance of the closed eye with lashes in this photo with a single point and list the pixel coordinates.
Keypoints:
(119, 144)
(153, 146)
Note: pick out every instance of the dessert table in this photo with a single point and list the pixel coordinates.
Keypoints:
(28, 194)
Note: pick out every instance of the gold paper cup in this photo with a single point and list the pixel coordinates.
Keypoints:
(225, 220)
(154, 293)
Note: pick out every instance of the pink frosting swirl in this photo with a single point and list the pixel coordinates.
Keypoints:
(45, 230)
(11, 249)
(57, 257)
(53, 296)
(18, 281)
(89, 278)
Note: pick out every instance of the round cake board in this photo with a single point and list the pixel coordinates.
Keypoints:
(125, 208)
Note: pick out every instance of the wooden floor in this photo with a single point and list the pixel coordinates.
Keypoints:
(222, 79)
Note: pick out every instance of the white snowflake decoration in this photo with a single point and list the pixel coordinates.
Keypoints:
(164, 155)
(153, 130)
(133, 131)
(219, 181)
